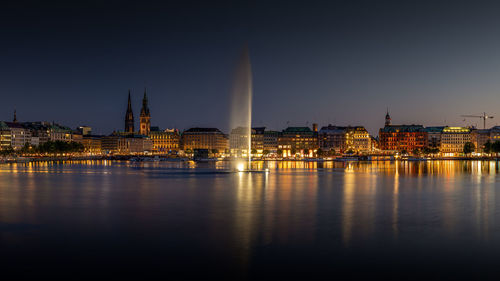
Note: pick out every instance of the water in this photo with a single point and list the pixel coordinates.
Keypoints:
(241, 103)
(303, 220)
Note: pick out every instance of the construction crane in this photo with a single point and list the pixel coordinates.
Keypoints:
(484, 117)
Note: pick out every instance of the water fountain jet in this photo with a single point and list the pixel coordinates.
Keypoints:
(241, 111)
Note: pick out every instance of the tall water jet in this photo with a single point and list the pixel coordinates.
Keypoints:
(241, 109)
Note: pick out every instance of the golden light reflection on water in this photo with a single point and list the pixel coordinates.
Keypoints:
(358, 200)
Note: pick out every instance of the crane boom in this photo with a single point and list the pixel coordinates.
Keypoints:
(484, 117)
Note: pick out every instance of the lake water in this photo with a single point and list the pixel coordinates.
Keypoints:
(302, 220)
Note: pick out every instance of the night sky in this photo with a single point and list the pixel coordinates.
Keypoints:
(338, 62)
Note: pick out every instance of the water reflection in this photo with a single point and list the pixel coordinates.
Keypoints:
(188, 212)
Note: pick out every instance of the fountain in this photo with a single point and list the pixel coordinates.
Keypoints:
(241, 113)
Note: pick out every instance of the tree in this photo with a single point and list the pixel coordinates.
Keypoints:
(469, 147)
(279, 151)
(319, 152)
(495, 147)
(215, 151)
(403, 152)
(306, 152)
(7, 151)
(26, 148)
(254, 151)
(487, 148)
(293, 151)
(265, 152)
(416, 151)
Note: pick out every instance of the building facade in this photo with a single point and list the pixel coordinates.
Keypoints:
(129, 144)
(402, 138)
(434, 136)
(166, 141)
(453, 140)
(332, 138)
(479, 138)
(298, 140)
(205, 138)
(339, 139)
(5, 136)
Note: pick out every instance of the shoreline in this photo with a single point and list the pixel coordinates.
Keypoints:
(132, 158)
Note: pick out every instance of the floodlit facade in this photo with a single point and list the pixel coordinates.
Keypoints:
(92, 144)
(5, 136)
(479, 138)
(298, 140)
(19, 136)
(434, 136)
(271, 141)
(131, 144)
(402, 137)
(340, 139)
(166, 141)
(332, 138)
(453, 140)
(205, 138)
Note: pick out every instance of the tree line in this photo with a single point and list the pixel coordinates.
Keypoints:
(49, 147)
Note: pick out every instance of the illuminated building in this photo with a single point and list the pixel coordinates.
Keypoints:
(333, 138)
(145, 117)
(129, 117)
(5, 136)
(271, 141)
(92, 144)
(130, 144)
(57, 132)
(205, 138)
(402, 137)
(434, 136)
(479, 138)
(495, 134)
(238, 141)
(19, 136)
(358, 139)
(166, 141)
(340, 139)
(453, 140)
(298, 140)
(84, 130)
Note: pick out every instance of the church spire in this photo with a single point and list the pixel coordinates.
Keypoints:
(15, 116)
(145, 108)
(129, 116)
(145, 118)
(387, 118)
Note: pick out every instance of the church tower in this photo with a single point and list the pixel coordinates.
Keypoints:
(129, 117)
(387, 118)
(145, 116)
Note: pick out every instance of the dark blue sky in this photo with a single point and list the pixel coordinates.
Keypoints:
(339, 62)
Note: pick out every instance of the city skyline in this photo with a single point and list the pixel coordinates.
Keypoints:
(339, 63)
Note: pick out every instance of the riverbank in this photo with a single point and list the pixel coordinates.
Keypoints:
(20, 159)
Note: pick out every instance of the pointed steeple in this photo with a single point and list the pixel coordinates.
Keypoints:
(129, 102)
(145, 119)
(129, 116)
(15, 117)
(387, 118)
(145, 108)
